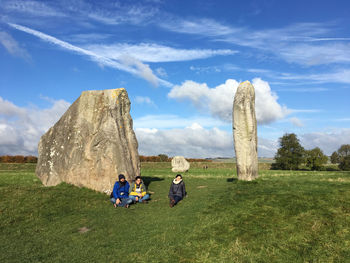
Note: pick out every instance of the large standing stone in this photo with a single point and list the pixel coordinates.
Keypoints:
(245, 132)
(179, 164)
(91, 144)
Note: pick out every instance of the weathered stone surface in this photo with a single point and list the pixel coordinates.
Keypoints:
(91, 144)
(245, 132)
(179, 164)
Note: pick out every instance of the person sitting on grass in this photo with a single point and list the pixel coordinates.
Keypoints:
(138, 191)
(120, 195)
(177, 190)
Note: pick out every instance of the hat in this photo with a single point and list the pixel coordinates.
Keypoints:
(121, 176)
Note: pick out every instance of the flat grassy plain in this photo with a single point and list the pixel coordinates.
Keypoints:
(284, 216)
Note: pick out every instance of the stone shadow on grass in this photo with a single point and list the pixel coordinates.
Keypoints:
(148, 180)
(230, 180)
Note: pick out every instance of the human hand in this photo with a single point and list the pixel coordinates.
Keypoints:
(118, 201)
(137, 199)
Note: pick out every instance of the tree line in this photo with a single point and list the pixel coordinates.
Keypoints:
(291, 155)
(166, 158)
(18, 159)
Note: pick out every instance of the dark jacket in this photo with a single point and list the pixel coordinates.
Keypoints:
(177, 189)
(121, 191)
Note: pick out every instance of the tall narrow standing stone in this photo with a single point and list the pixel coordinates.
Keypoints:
(245, 132)
(91, 144)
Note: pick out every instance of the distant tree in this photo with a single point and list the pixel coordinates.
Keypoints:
(315, 159)
(290, 154)
(345, 163)
(344, 157)
(163, 157)
(334, 158)
(344, 150)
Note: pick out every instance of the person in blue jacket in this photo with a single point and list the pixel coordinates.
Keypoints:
(120, 196)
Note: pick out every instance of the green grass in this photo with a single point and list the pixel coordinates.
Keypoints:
(284, 216)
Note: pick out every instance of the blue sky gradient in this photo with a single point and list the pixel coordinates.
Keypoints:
(181, 62)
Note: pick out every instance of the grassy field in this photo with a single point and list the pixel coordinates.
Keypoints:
(284, 216)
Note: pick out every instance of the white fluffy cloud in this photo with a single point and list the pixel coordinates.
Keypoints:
(21, 128)
(193, 141)
(219, 100)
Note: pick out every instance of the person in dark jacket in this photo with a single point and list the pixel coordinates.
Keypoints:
(120, 195)
(177, 190)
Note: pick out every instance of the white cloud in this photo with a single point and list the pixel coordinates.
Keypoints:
(21, 128)
(144, 100)
(33, 8)
(204, 26)
(209, 69)
(108, 12)
(155, 53)
(115, 13)
(296, 122)
(316, 54)
(288, 43)
(12, 46)
(8, 109)
(167, 121)
(126, 63)
(143, 70)
(336, 76)
(89, 37)
(194, 141)
(219, 100)
(161, 72)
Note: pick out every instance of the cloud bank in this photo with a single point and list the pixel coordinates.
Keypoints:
(21, 128)
(193, 141)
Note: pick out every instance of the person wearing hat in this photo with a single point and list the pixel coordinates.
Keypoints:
(177, 190)
(120, 194)
(138, 192)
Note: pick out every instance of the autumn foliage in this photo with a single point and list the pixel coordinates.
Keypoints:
(18, 159)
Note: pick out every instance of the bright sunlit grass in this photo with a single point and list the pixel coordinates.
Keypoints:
(284, 216)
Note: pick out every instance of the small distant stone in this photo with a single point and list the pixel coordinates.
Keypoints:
(179, 164)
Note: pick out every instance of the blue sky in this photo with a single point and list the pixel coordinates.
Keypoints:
(181, 63)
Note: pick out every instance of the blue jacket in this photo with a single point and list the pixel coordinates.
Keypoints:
(121, 191)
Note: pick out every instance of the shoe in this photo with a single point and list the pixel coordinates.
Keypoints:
(115, 205)
(172, 203)
(144, 201)
(126, 206)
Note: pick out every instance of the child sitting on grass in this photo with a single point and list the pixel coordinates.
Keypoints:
(138, 191)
